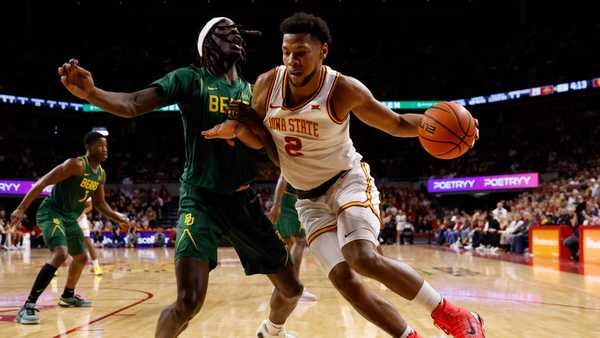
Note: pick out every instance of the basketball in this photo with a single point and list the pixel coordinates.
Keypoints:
(447, 130)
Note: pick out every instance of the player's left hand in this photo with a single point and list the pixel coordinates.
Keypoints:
(226, 130)
(476, 131)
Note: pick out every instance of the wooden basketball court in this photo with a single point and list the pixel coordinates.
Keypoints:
(516, 300)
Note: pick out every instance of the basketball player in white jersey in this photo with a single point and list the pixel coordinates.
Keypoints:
(306, 107)
(84, 224)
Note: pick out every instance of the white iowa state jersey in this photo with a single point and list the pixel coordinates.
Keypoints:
(313, 146)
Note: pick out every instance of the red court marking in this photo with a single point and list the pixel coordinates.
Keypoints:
(84, 327)
(8, 318)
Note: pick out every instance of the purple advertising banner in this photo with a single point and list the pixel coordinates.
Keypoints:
(483, 183)
(19, 188)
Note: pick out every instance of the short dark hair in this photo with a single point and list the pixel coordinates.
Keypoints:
(301, 22)
(91, 137)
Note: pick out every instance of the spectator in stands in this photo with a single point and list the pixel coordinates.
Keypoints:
(405, 229)
(389, 232)
(501, 214)
(594, 188)
(160, 238)
(37, 239)
(518, 240)
(491, 233)
(164, 194)
(453, 233)
(132, 237)
(3, 230)
(441, 231)
(580, 218)
(118, 240)
(514, 224)
(151, 216)
(428, 224)
(473, 240)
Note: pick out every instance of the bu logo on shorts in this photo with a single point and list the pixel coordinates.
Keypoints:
(188, 219)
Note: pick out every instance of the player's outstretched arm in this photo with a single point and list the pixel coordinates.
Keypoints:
(71, 167)
(231, 129)
(351, 95)
(102, 206)
(80, 83)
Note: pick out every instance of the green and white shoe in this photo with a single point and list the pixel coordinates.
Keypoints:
(74, 301)
(27, 314)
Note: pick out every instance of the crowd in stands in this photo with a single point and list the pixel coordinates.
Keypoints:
(146, 210)
(554, 145)
(571, 202)
(406, 214)
(11, 237)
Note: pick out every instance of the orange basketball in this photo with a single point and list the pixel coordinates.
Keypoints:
(447, 130)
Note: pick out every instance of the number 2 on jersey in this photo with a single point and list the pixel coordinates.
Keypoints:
(293, 146)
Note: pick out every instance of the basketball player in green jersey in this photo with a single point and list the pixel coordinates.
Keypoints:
(284, 217)
(216, 200)
(74, 181)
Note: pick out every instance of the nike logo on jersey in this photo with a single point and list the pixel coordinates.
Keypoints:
(350, 233)
(213, 88)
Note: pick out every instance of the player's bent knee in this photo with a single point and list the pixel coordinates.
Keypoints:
(59, 256)
(343, 279)
(365, 261)
(292, 291)
(81, 259)
(189, 304)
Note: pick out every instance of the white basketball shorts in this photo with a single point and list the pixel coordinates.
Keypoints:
(348, 211)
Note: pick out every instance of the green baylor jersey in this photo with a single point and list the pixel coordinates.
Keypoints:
(213, 165)
(68, 197)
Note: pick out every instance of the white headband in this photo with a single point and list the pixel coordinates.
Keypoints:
(204, 32)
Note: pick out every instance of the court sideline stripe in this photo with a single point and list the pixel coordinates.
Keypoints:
(75, 329)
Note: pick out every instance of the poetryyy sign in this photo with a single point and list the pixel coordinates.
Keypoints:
(483, 183)
(20, 188)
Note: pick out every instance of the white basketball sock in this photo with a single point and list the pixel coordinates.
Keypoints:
(428, 297)
(406, 332)
(273, 328)
(95, 263)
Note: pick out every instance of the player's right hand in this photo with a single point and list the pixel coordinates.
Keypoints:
(273, 214)
(126, 225)
(237, 110)
(76, 79)
(16, 217)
